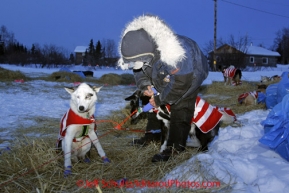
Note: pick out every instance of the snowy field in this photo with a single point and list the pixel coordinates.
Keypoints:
(235, 157)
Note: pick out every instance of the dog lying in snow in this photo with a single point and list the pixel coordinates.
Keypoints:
(77, 128)
(253, 97)
(274, 78)
(204, 126)
(232, 76)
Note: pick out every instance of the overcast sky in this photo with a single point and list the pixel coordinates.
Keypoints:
(71, 23)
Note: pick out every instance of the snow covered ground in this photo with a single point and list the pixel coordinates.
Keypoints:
(235, 156)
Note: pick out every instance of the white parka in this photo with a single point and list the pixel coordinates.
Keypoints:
(178, 67)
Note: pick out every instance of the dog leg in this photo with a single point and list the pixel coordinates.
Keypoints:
(164, 146)
(230, 81)
(166, 133)
(225, 80)
(165, 136)
(66, 146)
(93, 137)
(193, 141)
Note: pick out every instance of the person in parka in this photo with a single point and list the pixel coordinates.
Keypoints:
(173, 64)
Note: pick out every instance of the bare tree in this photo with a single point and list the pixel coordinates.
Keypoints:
(281, 45)
(110, 48)
(109, 52)
(6, 36)
(210, 45)
(240, 44)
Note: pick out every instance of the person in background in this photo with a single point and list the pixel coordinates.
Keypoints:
(173, 64)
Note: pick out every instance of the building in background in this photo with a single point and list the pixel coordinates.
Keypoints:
(248, 56)
(80, 53)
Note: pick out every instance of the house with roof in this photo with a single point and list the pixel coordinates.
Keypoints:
(80, 53)
(254, 56)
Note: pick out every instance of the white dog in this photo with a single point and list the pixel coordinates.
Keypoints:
(78, 126)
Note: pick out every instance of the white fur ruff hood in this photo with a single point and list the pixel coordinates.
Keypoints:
(171, 51)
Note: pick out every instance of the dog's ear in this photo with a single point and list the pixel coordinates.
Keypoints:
(134, 96)
(96, 89)
(69, 90)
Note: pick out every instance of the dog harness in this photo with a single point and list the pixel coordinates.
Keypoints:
(206, 116)
(242, 97)
(71, 118)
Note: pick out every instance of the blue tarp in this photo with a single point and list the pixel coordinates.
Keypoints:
(276, 127)
(64, 70)
(79, 73)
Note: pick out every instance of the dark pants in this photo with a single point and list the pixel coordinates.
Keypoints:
(180, 124)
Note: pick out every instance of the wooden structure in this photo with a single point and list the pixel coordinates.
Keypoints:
(79, 53)
(254, 56)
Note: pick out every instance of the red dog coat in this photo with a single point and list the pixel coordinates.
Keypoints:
(229, 72)
(244, 95)
(206, 116)
(70, 118)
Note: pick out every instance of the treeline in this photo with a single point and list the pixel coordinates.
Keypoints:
(16, 53)
(13, 52)
(281, 45)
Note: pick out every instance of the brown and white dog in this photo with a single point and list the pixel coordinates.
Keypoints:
(251, 98)
(248, 98)
(77, 128)
(232, 76)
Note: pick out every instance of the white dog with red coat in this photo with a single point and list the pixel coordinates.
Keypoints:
(77, 128)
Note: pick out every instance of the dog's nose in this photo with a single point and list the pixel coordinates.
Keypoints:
(81, 108)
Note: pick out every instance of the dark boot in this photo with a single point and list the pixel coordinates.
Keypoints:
(163, 156)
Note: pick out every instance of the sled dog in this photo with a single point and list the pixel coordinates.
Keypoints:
(275, 78)
(204, 126)
(232, 76)
(251, 98)
(78, 128)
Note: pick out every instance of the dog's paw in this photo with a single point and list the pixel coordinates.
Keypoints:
(121, 182)
(105, 160)
(67, 171)
(86, 160)
(237, 124)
